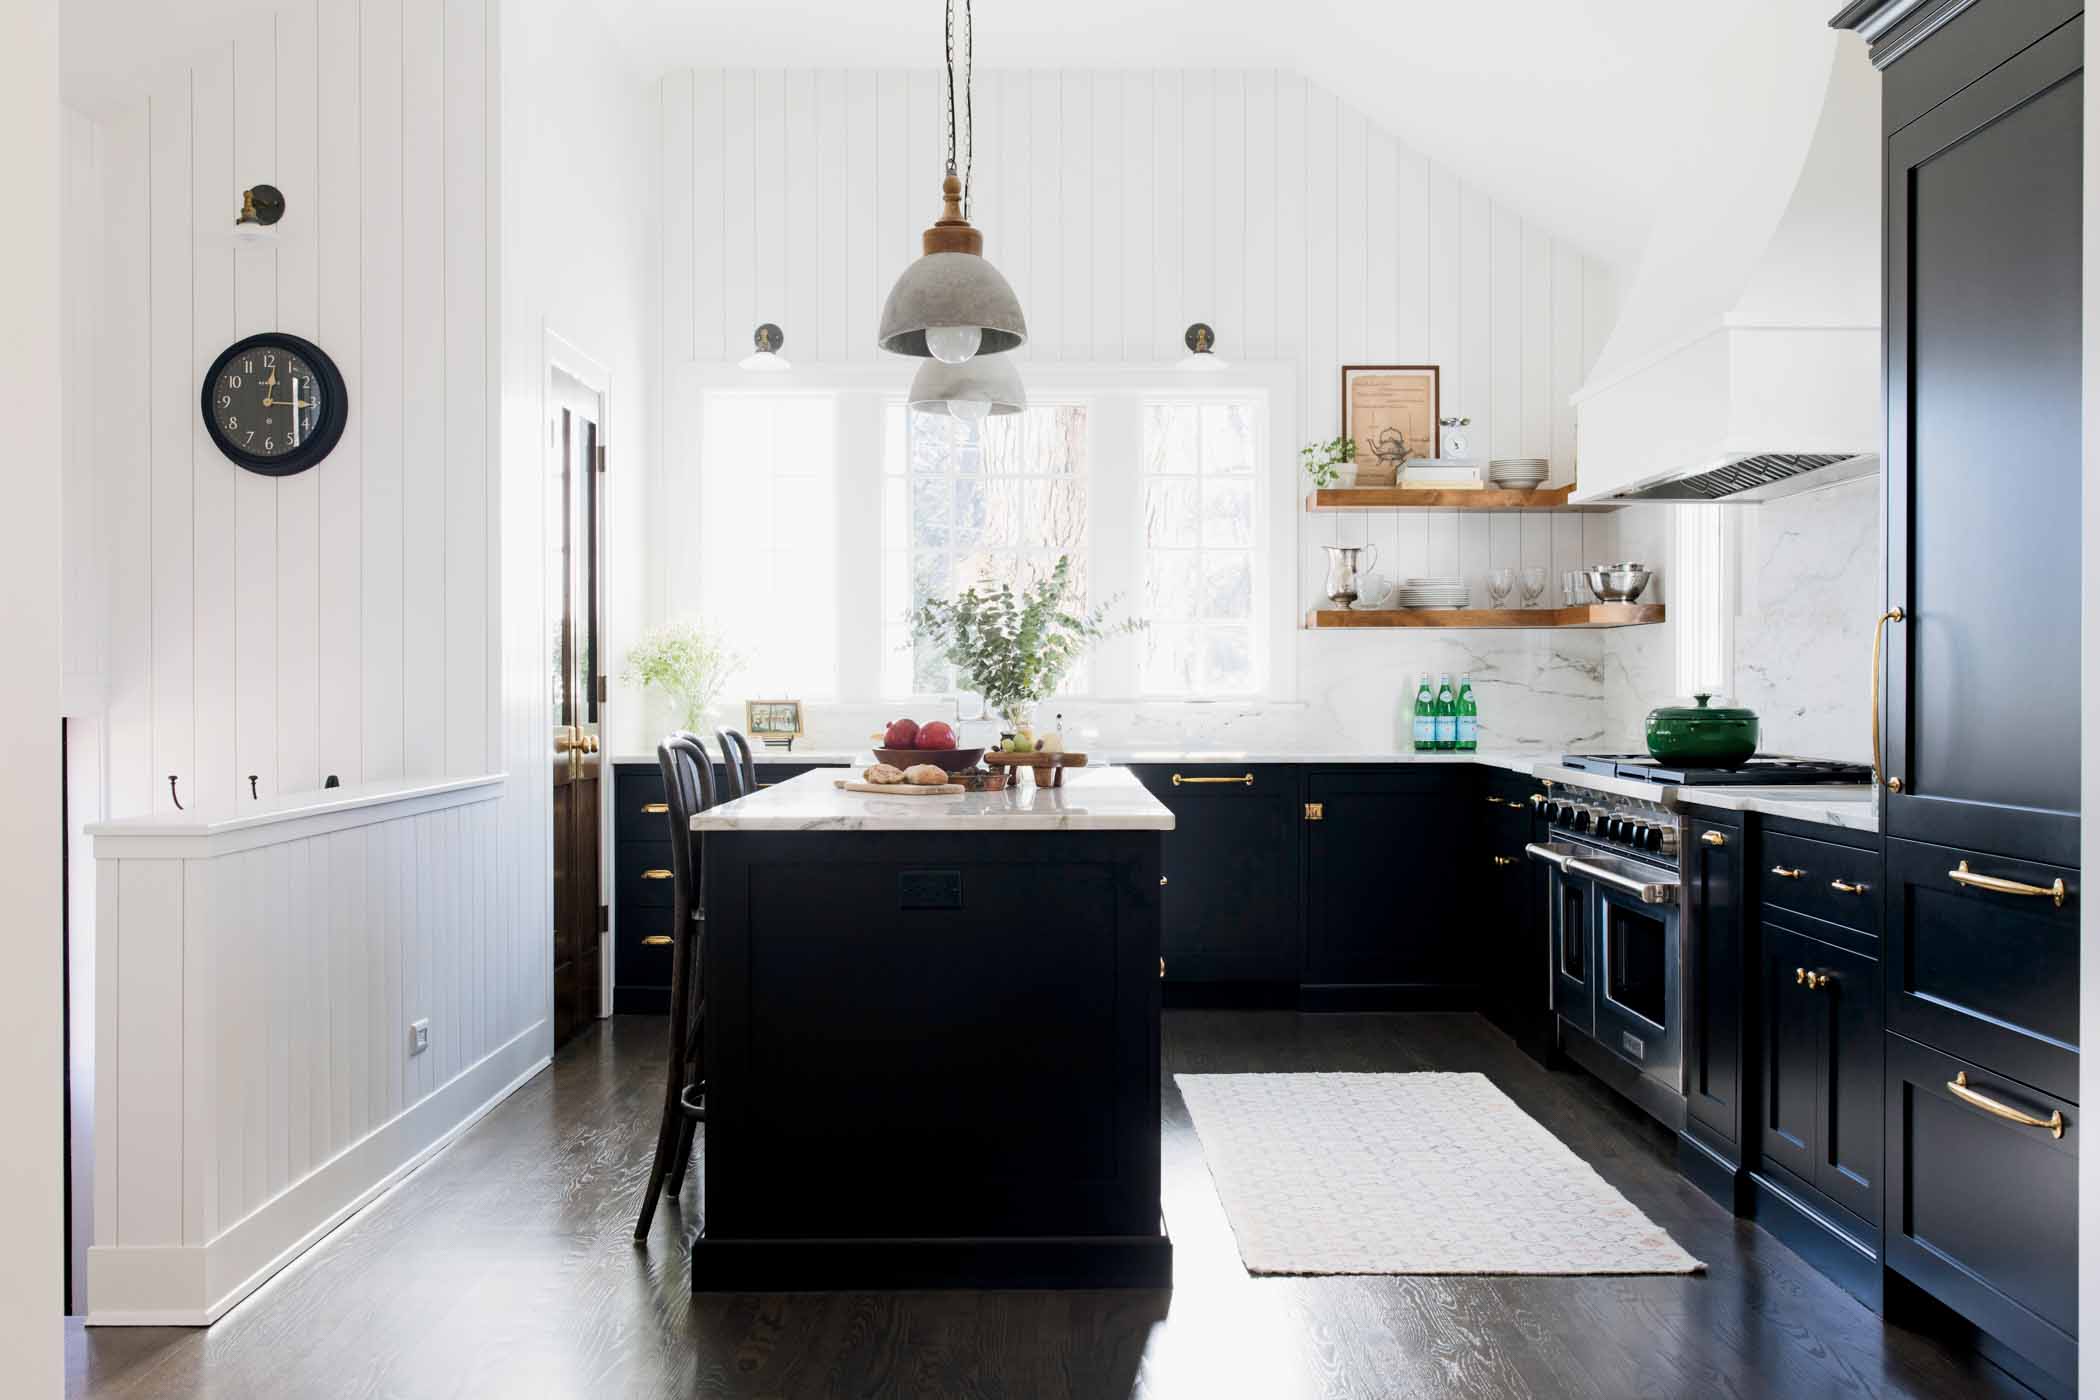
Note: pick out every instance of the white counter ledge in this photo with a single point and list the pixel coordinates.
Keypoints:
(1092, 799)
(1841, 805)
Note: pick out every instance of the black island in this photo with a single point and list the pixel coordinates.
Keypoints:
(932, 1038)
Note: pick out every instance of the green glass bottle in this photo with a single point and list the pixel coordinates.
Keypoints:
(1468, 717)
(1425, 716)
(1446, 714)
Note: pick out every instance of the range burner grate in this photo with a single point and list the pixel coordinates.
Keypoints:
(1762, 769)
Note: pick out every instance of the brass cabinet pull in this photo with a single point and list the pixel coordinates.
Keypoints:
(655, 809)
(657, 940)
(1842, 888)
(1800, 975)
(1788, 872)
(1505, 860)
(1811, 980)
(658, 874)
(1959, 1087)
(1246, 781)
(1962, 875)
(1874, 701)
(1713, 838)
(1162, 967)
(1316, 811)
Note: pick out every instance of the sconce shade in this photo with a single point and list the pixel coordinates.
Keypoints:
(992, 380)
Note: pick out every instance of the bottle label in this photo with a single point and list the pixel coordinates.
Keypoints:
(1425, 731)
(1446, 731)
(1468, 731)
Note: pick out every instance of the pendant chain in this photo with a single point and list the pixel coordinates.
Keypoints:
(969, 109)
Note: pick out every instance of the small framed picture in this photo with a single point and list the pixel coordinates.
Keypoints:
(777, 722)
(1390, 412)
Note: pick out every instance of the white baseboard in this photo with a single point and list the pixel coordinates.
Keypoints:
(194, 1285)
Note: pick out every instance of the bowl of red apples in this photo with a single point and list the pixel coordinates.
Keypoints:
(906, 741)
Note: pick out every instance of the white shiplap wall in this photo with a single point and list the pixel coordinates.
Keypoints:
(1122, 206)
(336, 621)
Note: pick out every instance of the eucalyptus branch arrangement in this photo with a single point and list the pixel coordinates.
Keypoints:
(1015, 647)
(1323, 460)
(688, 662)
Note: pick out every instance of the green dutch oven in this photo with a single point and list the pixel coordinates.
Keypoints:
(1696, 733)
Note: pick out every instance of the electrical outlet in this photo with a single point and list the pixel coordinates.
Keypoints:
(419, 1037)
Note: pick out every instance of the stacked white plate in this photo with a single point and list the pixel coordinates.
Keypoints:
(1431, 593)
(1518, 473)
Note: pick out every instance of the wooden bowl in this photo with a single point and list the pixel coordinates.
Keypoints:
(947, 760)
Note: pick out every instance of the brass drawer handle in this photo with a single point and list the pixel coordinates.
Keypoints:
(1962, 875)
(1713, 838)
(656, 874)
(1247, 781)
(1959, 1087)
(655, 809)
(657, 940)
(1842, 888)
(1787, 872)
(1505, 860)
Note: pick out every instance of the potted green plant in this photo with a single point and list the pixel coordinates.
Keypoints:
(1330, 463)
(688, 662)
(1014, 646)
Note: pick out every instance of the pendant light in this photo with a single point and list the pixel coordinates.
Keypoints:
(973, 391)
(765, 353)
(951, 304)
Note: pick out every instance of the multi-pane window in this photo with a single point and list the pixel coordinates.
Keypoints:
(966, 502)
(769, 559)
(1201, 541)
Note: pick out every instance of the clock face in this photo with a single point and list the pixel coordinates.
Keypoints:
(274, 404)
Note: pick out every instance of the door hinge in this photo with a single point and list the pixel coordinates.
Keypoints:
(605, 918)
(600, 453)
(601, 690)
(1315, 812)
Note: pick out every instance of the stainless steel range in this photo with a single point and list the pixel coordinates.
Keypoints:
(1618, 911)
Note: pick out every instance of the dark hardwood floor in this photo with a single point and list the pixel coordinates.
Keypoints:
(505, 1267)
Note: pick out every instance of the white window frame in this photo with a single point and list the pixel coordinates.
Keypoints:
(1116, 393)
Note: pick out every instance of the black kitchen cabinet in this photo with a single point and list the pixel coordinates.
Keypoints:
(1392, 902)
(1229, 911)
(1714, 976)
(1821, 1124)
(1980, 716)
(1516, 983)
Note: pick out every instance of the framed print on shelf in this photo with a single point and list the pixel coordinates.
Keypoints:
(777, 722)
(1390, 412)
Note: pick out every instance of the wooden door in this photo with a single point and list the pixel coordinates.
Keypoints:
(1981, 710)
(574, 598)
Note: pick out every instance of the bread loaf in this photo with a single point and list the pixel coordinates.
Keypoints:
(882, 773)
(925, 775)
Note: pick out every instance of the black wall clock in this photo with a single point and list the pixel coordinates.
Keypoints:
(274, 403)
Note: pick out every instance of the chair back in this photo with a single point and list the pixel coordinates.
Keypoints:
(736, 757)
(689, 788)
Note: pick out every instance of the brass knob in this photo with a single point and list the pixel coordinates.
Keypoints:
(1818, 980)
(1163, 881)
(1800, 976)
(1505, 860)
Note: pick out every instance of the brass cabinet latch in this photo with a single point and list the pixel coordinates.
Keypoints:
(1315, 811)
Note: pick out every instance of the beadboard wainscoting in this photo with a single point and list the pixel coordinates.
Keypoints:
(258, 980)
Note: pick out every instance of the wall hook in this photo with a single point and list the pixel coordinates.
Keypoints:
(333, 782)
(173, 793)
(252, 793)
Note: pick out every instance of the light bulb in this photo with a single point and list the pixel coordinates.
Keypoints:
(951, 345)
(971, 410)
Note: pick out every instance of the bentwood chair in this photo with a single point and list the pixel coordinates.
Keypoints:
(736, 758)
(689, 787)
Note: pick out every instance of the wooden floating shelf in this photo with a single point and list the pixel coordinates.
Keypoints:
(1587, 615)
(1409, 498)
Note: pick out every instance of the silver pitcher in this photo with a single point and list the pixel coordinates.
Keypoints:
(1343, 570)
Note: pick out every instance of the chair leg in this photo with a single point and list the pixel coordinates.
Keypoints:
(681, 1155)
(669, 1124)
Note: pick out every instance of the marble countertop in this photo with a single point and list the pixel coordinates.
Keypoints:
(1842, 805)
(1092, 799)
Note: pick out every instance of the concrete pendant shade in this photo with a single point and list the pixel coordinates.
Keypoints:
(991, 379)
(951, 285)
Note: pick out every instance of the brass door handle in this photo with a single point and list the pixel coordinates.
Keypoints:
(655, 809)
(1842, 888)
(1959, 1087)
(658, 874)
(1874, 701)
(657, 940)
(1788, 872)
(567, 739)
(1962, 875)
(1713, 838)
(1246, 781)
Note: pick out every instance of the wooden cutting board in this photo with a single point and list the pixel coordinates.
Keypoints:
(902, 789)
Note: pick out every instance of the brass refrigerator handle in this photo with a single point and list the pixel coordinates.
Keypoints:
(1247, 781)
(1959, 1087)
(1962, 875)
(1874, 702)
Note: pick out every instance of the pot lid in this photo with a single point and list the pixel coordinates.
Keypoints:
(1699, 709)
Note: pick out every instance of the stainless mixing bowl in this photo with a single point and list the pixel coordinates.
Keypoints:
(1618, 583)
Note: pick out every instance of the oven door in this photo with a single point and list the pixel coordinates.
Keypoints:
(1639, 981)
(1568, 901)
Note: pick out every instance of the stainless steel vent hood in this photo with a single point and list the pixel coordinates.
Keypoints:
(1746, 361)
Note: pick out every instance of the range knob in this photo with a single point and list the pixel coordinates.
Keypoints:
(1583, 817)
(1563, 814)
(1618, 828)
(1647, 836)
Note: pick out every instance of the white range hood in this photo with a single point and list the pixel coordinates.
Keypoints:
(1754, 363)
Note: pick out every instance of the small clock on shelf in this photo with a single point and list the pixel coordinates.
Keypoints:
(274, 403)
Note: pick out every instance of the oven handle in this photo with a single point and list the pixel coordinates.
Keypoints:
(1557, 857)
(1646, 891)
